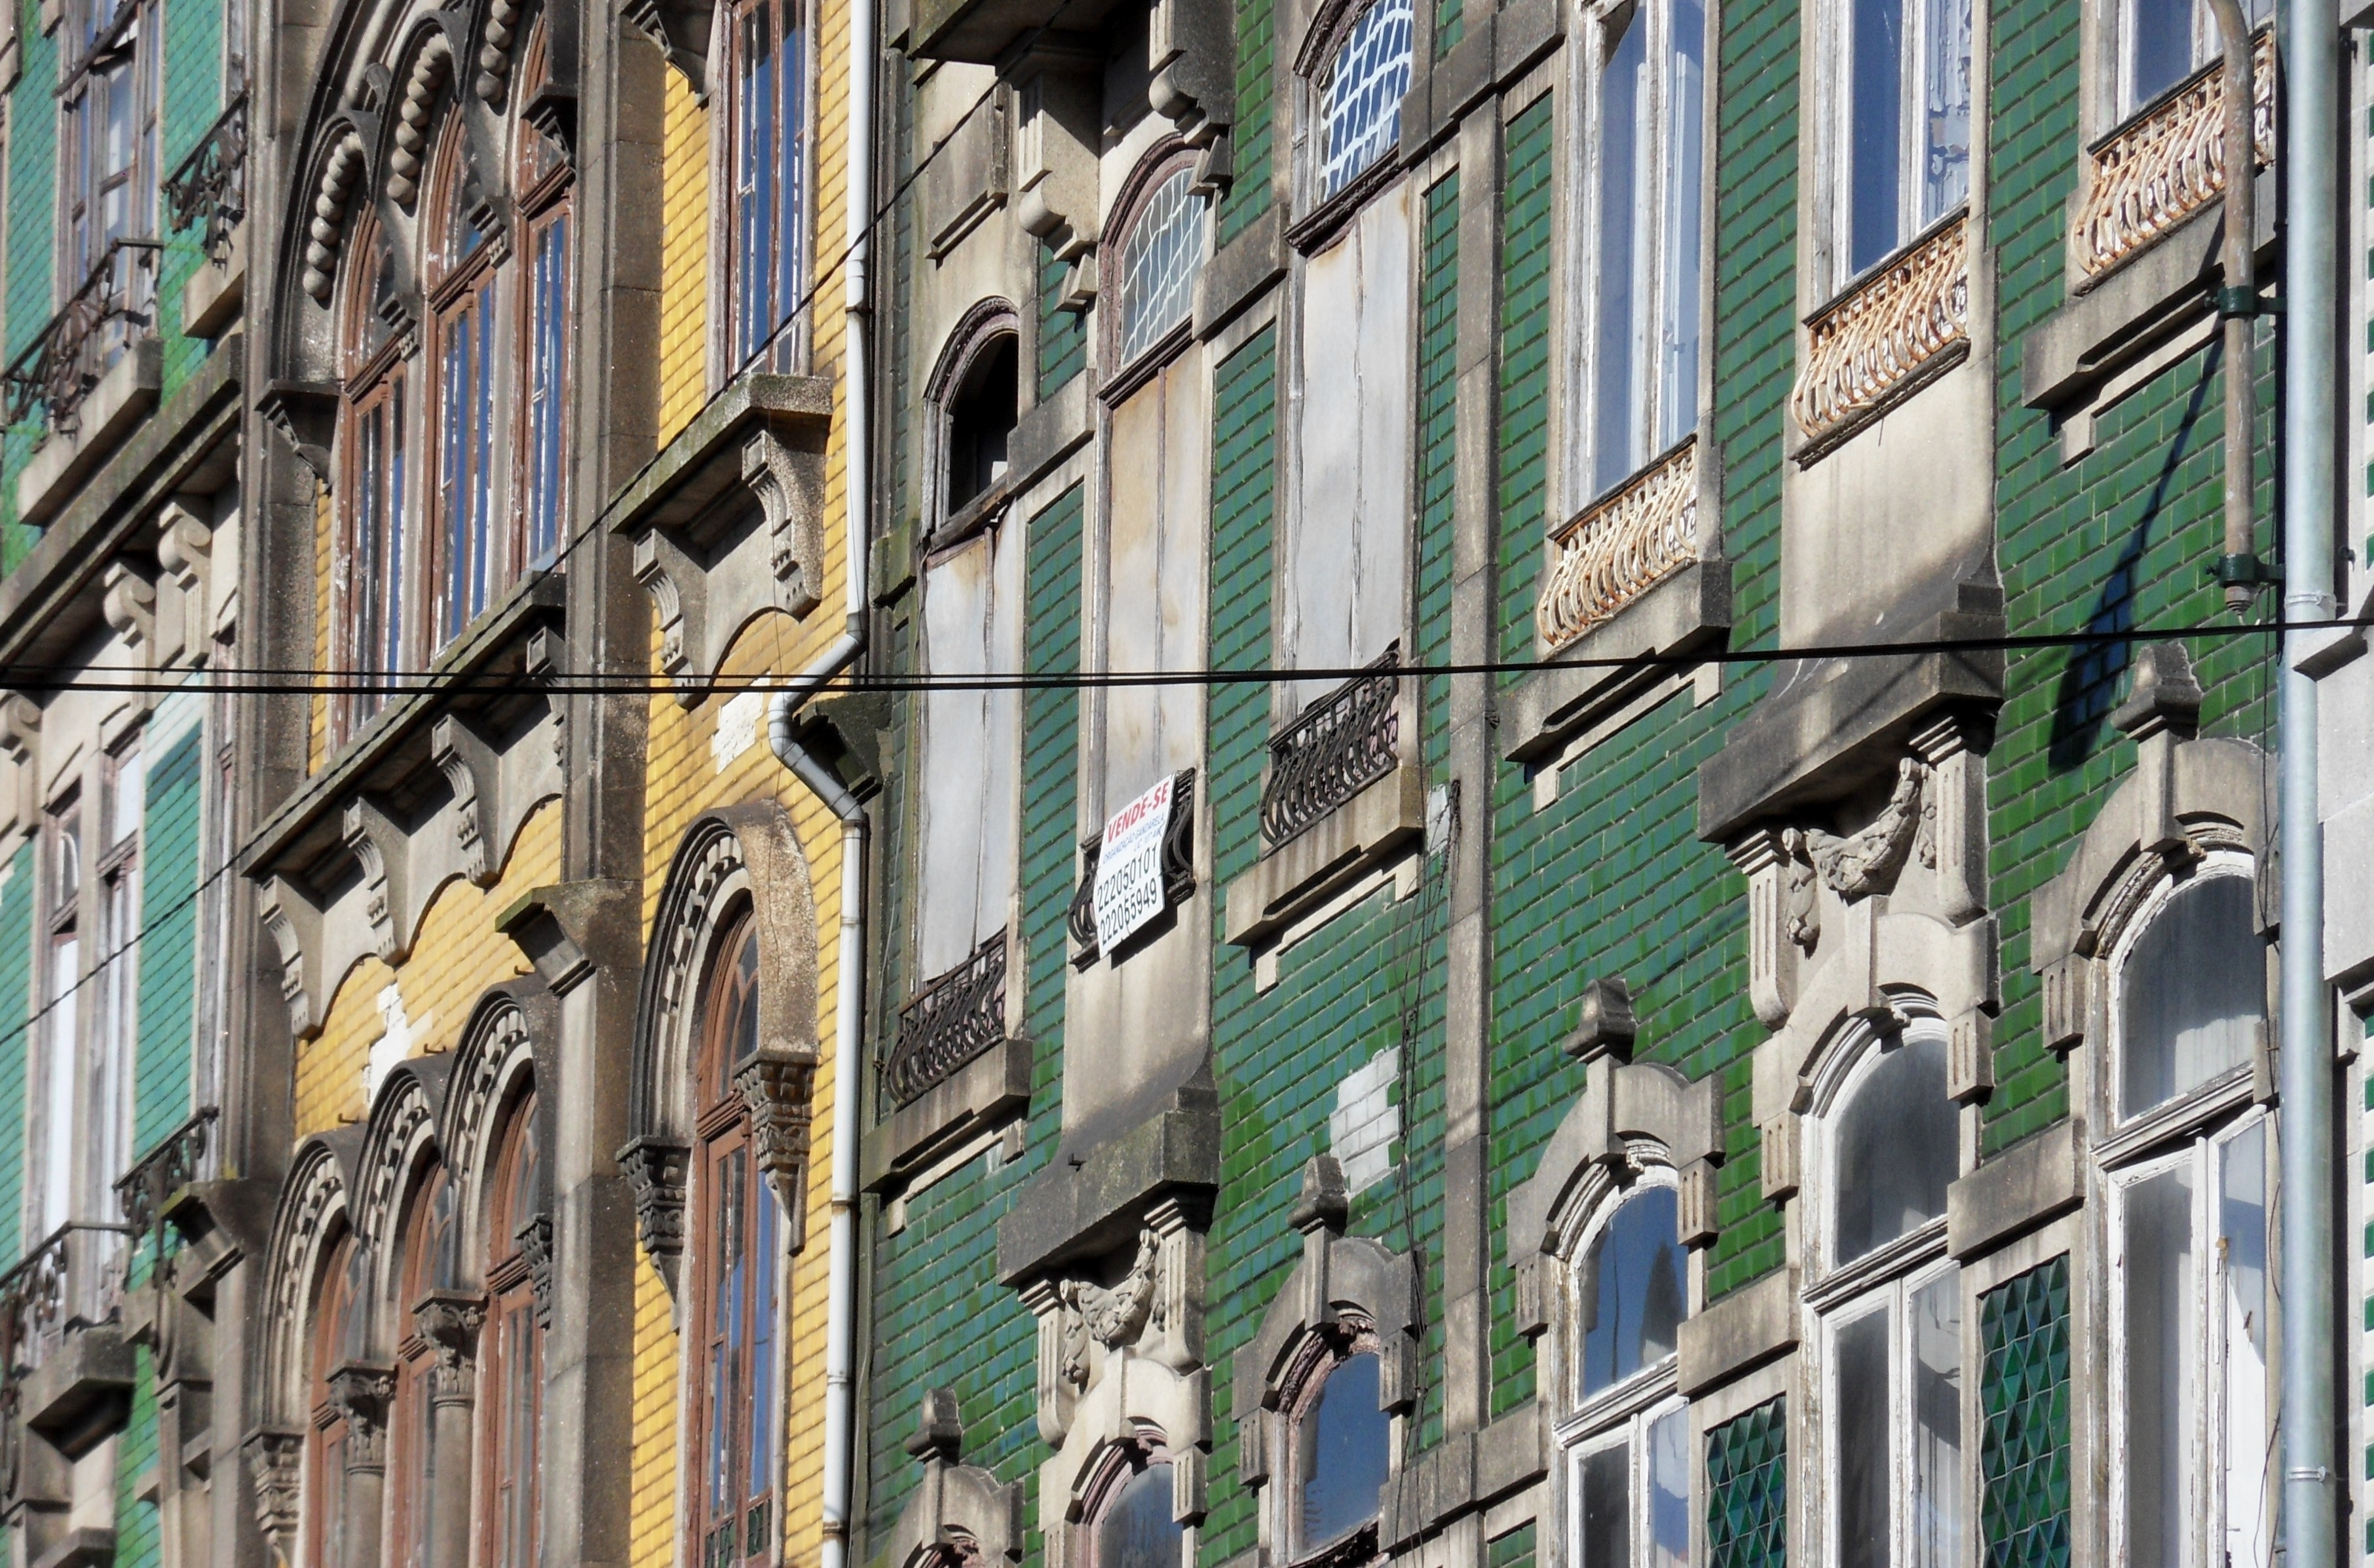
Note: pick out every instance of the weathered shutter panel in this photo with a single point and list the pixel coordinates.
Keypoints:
(972, 627)
(1154, 576)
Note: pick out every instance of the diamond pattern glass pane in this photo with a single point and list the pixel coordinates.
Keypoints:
(1360, 100)
(1160, 264)
(2024, 1437)
(1747, 1490)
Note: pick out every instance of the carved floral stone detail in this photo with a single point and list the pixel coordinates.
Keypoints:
(361, 1394)
(1889, 329)
(655, 1169)
(1620, 548)
(778, 1088)
(450, 1322)
(1858, 864)
(275, 1461)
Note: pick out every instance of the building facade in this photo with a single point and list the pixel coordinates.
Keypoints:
(1188, 784)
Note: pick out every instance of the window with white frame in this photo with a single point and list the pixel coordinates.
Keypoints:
(1626, 1435)
(1161, 259)
(1359, 93)
(1890, 1308)
(1339, 1449)
(2187, 1173)
(2163, 42)
(115, 1044)
(1645, 107)
(1901, 115)
(61, 988)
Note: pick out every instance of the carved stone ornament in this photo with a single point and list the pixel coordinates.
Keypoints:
(275, 1461)
(305, 413)
(534, 1238)
(1894, 328)
(362, 1394)
(1620, 548)
(1860, 864)
(431, 69)
(778, 1088)
(788, 492)
(450, 1322)
(472, 772)
(655, 1170)
(1153, 1309)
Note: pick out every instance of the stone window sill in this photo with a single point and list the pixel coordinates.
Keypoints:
(1562, 703)
(976, 1099)
(127, 392)
(1367, 833)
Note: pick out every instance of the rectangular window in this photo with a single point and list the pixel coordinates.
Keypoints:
(543, 469)
(1633, 1495)
(769, 173)
(1895, 1424)
(466, 459)
(2163, 42)
(1644, 219)
(58, 1034)
(108, 1109)
(1154, 580)
(973, 626)
(373, 576)
(1904, 109)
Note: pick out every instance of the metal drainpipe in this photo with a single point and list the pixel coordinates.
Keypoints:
(2237, 301)
(2311, 265)
(849, 1043)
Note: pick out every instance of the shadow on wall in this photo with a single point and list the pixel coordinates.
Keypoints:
(2089, 685)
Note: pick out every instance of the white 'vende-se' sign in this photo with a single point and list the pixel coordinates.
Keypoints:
(1129, 867)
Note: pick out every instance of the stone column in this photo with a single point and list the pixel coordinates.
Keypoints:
(450, 1320)
(362, 1394)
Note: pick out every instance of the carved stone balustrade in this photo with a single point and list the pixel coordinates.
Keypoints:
(954, 1019)
(1621, 547)
(1907, 322)
(1340, 745)
(2151, 175)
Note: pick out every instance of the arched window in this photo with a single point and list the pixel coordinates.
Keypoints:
(463, 287)
(1891, 1305)
(767, 106)
(510, 1369)
(1360, 95)
(1161, 259)
(1645, 105)
(2189, 1174)
(732, 1358)
(412, 1450)
(981, 413)
(326, 1444)
(1339, 1443)
(1628, 1443)
(1131, 1514)
(543, 179)
(374, 564)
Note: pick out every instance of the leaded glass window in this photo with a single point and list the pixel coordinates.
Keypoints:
(1360, 95)
(1905, 140)
(1159, 263)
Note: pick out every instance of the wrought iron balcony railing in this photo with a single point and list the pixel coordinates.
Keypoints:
(181, 1157)
(116, 304)
(1341, 744)
(954, 1019)
(74, 1275)
(208, 191)
(1178, 869)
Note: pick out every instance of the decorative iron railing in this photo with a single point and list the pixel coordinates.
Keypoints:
(179, 1159)
(2153, 173)
(954, 1019)
(1178, 868)
(73, 1275)
(1620, 548)
(1341, 744)
(1894, 328)
(209, 191)
(115, 304)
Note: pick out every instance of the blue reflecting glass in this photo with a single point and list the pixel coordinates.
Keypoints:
(1624, 178)
(1876, 139)
(1345, 1444)
(1634, 1290)
(1136, 1529)
(1158, 264)
(1898, 1146)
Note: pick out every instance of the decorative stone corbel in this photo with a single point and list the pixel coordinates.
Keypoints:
(362, 1393)
(380, 847)
(1190, 49)
(959, 1515)
(2068, 1001)
(185, 549)
(778, 1085)
(1057, 1392)
(680, 30)
(1971, 1057)
(306, 415)
(20, 734)
(1177, 1314)
(1780, 1138)
(128, 602)
(1773, 955)
(294, 922)
(450, 1322)
(276, 1462)
(2162, 709)
(1319, 1214)
(789, 483)
(1605, 1027)
(473, 773)
(676, 585)
(1857, 865)
(1059, 112)
(534, 1238)
(655, 1169)
(1954, 815)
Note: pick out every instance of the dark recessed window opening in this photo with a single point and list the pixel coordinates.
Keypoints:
(981, 422)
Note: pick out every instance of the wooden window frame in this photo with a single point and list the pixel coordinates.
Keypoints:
(411, 1413)
(372, 631)
(325, 1430)
(465, 300)
(546, 182)
(510, 1443)
(742, 339)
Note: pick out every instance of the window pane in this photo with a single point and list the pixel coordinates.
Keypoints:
(2159, 1404)
(2159, 47)
(1624, 96)
(1137, 1530)
(1606, 1506)
(1344, 1441)
(1898, 1146)
(2191, 993)
(1158, 265)
(1677, 393)
(1362, 114)
(1859, 1392)
(1633, 1292)
(1876, 136)
(1669, 1491)
(1936, 1323)
(2242, 1265)
(1946, 73)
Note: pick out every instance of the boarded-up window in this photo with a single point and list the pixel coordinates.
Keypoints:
(1347, 551)
(973, 626)
(1153, 577)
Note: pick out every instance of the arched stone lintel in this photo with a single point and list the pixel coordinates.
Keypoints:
(314, 1198)
(1620, 1102)
(1135, 1393)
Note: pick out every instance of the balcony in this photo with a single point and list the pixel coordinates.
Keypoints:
(957, 1018)
(181, 1157)
(1614, 553)
(88, 375)
(68, 1361)
(1895, 331)
(208, 193)
(2145, 179)
(954, 1073)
